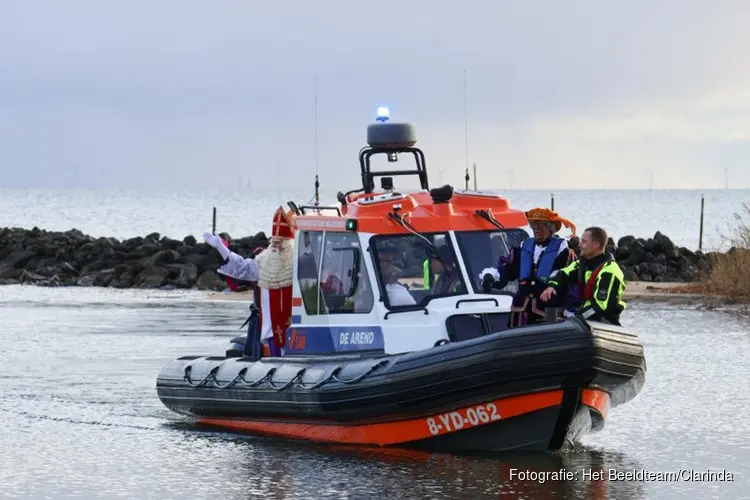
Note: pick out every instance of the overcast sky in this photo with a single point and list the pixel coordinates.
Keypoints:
(191, 93)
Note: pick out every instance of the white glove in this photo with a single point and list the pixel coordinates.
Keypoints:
(489, 270)
(216, 242)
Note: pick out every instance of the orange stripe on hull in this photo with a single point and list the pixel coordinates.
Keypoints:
(402, 431)
(596, 399)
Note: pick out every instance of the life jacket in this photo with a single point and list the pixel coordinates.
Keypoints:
(546, 259)
(586, 287)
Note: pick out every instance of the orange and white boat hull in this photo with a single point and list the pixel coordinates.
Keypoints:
(541, 388)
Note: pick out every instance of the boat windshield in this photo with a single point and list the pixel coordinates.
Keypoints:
(483, 249)
(410, 274)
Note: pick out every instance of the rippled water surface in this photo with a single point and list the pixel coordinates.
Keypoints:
(79, 415)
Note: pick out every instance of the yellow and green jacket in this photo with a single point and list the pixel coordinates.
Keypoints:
(442, 284)
(600, 284)
(428, 278)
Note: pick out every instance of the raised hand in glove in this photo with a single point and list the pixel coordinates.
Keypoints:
(215, 241)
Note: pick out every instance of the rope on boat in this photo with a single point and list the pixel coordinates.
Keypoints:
(268, 377)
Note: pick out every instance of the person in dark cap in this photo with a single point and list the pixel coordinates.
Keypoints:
(448, 274)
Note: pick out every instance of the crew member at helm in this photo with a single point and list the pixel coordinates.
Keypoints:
(448, 276)
(532, 264)
(398, 294)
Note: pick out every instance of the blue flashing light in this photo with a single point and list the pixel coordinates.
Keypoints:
(384, 114)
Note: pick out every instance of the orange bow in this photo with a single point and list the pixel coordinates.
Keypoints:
(547, 215)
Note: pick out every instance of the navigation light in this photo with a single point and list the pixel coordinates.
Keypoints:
(384, 114)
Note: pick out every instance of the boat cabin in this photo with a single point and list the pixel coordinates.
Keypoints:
(393, 271)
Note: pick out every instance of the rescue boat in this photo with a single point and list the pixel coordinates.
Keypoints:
(392, 341)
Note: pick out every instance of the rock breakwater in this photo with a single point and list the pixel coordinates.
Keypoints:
(71, 258)
(659, 259)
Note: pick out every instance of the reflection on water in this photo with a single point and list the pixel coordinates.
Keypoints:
(298, 470)
(80, 417)
(374, 473)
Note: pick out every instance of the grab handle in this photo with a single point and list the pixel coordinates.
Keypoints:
(484, 299)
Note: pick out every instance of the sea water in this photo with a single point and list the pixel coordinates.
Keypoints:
(80, 418)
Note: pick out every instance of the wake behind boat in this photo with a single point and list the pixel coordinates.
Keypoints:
(389, 339)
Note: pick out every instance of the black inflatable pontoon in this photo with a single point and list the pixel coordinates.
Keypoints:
(537, 387)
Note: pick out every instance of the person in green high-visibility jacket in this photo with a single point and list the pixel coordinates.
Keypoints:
(599, 279)
(428, 278)
(447, 279)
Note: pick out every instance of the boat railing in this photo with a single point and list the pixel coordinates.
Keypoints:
(300, 209)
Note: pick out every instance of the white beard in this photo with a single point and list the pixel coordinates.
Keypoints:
(276, 266)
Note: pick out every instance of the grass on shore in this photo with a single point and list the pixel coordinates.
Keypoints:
(729, 276)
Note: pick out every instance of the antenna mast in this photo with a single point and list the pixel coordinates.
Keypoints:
(315, 131)
(466, 132)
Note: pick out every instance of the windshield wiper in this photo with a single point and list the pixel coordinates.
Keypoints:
(432, 250)
(487, 215)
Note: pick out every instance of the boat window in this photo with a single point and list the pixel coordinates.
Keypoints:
(309, 251)
(408, 276)
(483, 249)
(345, 282)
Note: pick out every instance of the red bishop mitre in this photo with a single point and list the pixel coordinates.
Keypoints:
(282, 224)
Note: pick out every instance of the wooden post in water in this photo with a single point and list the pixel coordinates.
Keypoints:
(213, 224)
(700, 236)
(552, 201)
